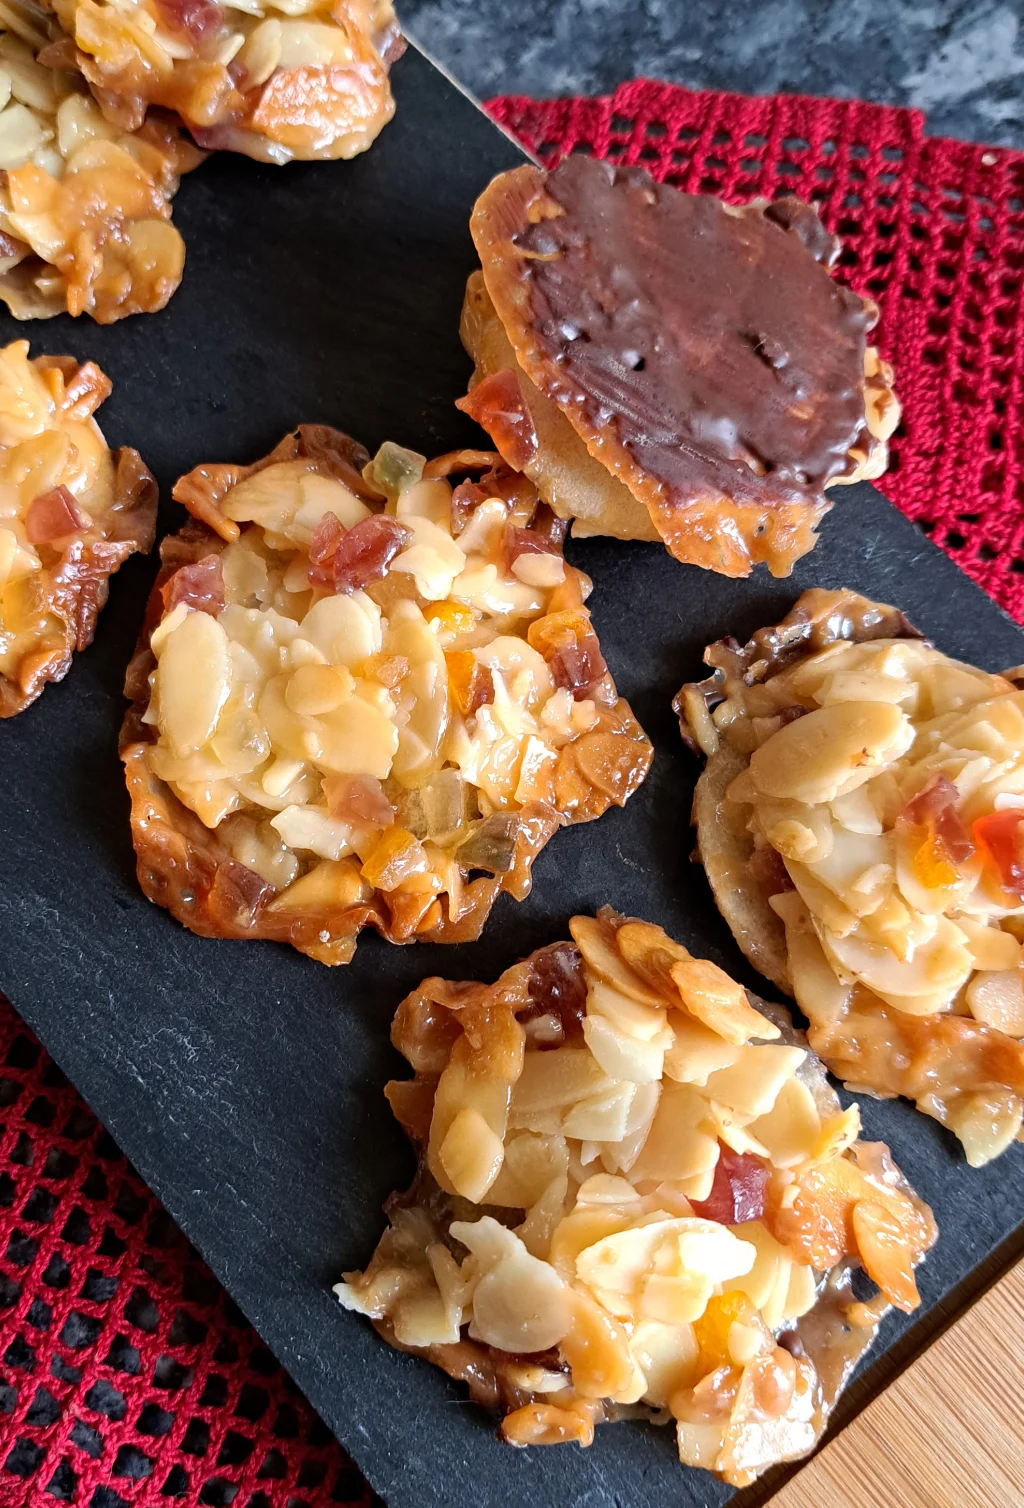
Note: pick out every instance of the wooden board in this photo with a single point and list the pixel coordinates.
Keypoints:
(948, 1433)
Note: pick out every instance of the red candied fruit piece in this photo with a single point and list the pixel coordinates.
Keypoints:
(481, 690)
(53, 515)
(738, 1190)
(347, 560)
(198, 19)
(1000, 835)
(237, 895)
(548, 526)
(518, 542)
(466, 499)
(577, 665)
(200, 586)
(365, 552)
(359, 800)
(326, 538)
(498, 406)
(544, 537)
(558, 988)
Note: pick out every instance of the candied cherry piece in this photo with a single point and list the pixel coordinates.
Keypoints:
(548, 526)
(930, 827)
(347, 560)
(570, 646)
(53, 515)
(1000, 836)
(237, 895)
(326, 538)
(200, 586)
(359, 800)
(558, 988)
(543, 537)
(518, 542)
(577, 665)
(498, 406)
(738, 1190)
(466, 499)
(198, 19)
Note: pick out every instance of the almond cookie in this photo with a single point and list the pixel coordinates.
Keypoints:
(861, 821)
(664, 365)
(368, 693)
(637, 1196)
(71, 512)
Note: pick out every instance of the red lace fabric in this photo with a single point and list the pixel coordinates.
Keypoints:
(127, 1376)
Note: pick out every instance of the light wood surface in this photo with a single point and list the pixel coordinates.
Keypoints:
(948, 1433)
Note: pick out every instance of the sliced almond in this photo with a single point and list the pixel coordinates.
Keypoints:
(324, 886)
(751, 1085)
(596, 941)
(719, 1002)
(643, 1022)
(471, 1155)
(792, 1128)
(682, 1142)
(623, 1056)
(650, 952)
(885, 1253)
(696, 1051)
(831, 750)
(598, 1352)
(193, 680)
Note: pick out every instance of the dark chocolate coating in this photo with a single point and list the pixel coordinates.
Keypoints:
(713, 341)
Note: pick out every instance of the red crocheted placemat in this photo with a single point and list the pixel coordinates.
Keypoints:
(127, 1376)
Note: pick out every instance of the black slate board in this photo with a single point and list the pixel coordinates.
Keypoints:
(243, 1080)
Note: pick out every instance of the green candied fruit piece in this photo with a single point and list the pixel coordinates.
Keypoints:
(395, 469)
(491, 844)
(440, 809)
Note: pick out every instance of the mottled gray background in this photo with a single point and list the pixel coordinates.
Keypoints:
(962, 63)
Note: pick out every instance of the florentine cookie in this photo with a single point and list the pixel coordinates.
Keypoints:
(299, 79)
(367, 695)
(85, 213)
(637, 1195)
(861, 821)
(665, 365)
(71, 512)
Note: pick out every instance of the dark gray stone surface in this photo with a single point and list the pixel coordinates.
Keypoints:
(961, 61)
